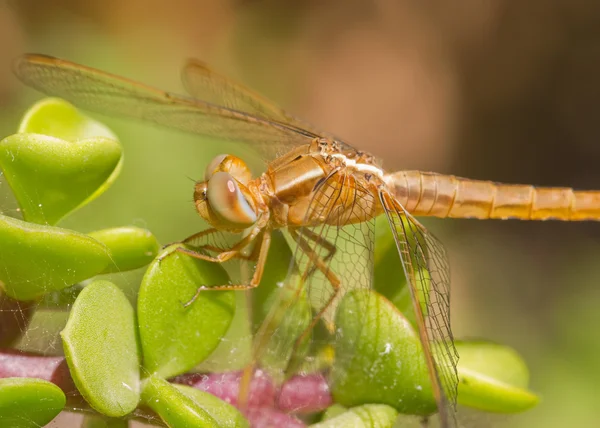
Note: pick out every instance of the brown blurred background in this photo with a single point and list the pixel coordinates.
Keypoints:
(489, 89)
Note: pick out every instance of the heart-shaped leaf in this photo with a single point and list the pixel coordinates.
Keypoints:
(36, 259)
(59, 161)
(176, 337)
(101, 348)
(29, 403)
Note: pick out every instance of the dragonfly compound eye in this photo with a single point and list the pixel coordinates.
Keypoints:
(230, 200)
(231, 164)
(213, 166)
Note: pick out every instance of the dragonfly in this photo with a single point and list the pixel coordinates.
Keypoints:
(324, 192)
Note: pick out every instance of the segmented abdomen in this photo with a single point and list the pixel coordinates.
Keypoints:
(431, 194)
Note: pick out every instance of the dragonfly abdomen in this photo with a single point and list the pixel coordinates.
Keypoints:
(431, 194)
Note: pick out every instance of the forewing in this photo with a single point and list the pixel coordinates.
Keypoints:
(204, 83)
(427, 271)
(110, 94)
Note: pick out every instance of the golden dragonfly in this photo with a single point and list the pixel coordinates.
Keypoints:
(323, 192)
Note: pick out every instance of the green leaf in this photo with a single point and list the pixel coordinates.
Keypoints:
(59, 118)
(176, 408)
(379, 358)
(36, 259)
(224, 413)
(493, 378)
(366, 416)
(175, 338)
(101, 349)
(59, 161)
(29, 403)
(130, 247)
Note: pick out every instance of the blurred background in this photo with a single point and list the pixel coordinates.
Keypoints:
(488, 89)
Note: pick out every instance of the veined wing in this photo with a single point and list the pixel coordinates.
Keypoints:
(203, 82)
(331, 259)
(427, 271)
(107, 93)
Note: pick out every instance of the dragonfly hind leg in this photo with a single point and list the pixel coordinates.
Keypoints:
(318, 240)
(316, 262)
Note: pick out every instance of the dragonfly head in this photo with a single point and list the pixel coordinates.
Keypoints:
(223, 198)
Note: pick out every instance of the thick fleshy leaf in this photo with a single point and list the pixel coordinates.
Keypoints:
(493, 378)
(52, 177)
(175, 336)
(36, 259)
(379, 358)
(100, 344)
(59, 160)
(224, 413)
(29, 403)
(57, 117)
(175, 407)
(366, 416)
(130, 247)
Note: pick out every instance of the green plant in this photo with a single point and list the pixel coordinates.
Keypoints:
(138, 361)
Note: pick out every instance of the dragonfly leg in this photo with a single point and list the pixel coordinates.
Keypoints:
(208, 247)
(264, 244)
(322, 242)
(223, 255)
(316, 262)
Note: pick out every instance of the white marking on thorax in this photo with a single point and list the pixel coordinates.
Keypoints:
(361, 167)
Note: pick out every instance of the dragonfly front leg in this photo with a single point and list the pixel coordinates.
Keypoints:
(223, 255)
(261, 257)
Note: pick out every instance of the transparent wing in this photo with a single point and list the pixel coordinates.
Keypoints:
(204, 83)
(330, 260)
(427, 271)
(107, 93)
